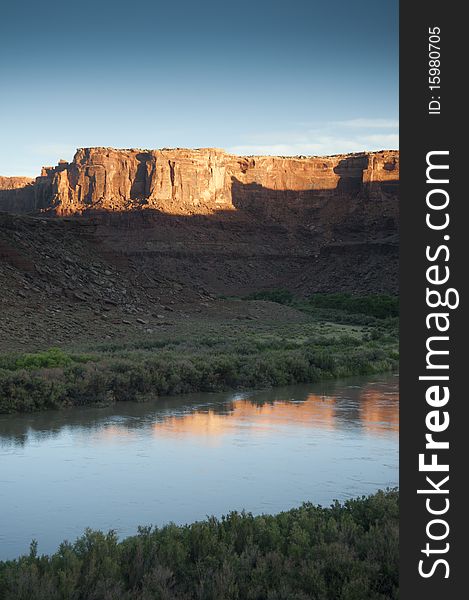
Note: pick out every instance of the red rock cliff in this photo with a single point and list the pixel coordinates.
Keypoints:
(13, 183)
(180, 181)
(219, 222)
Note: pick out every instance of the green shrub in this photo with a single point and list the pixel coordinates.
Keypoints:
(238, 358)
(379, 306)
(280, 296)
(54, 357)
(345, 552)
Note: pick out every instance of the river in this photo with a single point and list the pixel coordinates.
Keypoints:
(180, 459)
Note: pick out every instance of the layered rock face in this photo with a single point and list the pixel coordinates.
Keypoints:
(17, 194)
(13, 183)
(186, 182)
(226, 224)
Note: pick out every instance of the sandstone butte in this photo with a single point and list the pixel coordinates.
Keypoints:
(206, 181)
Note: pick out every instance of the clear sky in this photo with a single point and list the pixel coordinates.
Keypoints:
(260, 77)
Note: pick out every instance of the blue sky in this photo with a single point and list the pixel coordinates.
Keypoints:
(265, 77)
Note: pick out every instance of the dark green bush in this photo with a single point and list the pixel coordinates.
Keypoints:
(346, 552)
(280, 296)
(378, 306)
(248, 357)
(166, 372)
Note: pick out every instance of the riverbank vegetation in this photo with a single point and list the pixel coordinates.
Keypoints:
(329, 341)
(374, 306)
(345, 552)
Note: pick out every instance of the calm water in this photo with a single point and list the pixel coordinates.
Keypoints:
(183, 458)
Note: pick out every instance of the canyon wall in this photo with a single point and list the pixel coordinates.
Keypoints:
(211, 221)
(187, 182)
(13, 183)
(17, 194)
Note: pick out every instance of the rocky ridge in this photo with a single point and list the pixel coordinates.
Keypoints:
(204, 181)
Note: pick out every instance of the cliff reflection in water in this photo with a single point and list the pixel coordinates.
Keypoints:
(376, 409)
(372, 407)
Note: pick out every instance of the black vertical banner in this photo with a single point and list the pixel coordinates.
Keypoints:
(434, 269)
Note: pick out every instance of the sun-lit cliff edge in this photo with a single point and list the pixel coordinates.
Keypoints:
(202, 181)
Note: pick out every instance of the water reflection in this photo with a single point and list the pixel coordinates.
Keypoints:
(180, 459)
(372, 406)
(367, 408)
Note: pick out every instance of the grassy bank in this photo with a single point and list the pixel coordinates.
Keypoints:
(203, 355)
(345, 552)
(342, 305)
